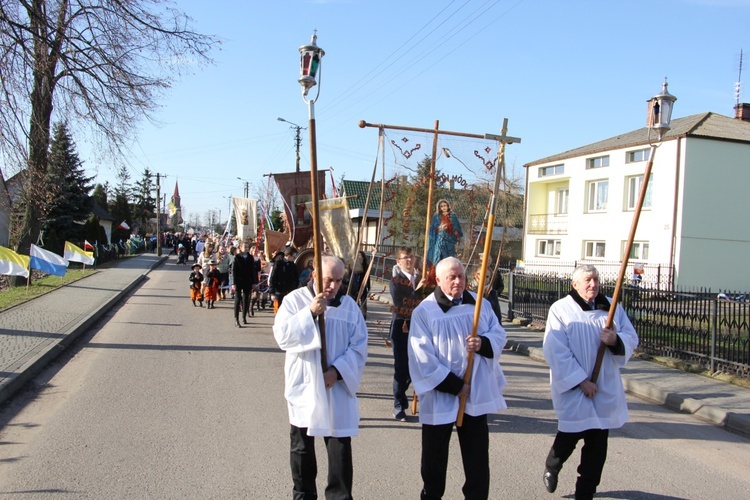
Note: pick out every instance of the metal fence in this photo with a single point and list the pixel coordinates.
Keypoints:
(651, 275)
(701, 326)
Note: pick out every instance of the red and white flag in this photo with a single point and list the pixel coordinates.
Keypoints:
(87, 245)
(124, 225)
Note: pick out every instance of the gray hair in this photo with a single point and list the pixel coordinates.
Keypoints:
(448, 262)
(332, 261)
(582, 269)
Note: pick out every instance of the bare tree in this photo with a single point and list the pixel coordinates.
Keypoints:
(101, 64)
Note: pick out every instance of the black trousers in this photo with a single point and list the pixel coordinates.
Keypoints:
(474, 439)
(401, 378)
(242, 293)
(305, 466)
(593, 456)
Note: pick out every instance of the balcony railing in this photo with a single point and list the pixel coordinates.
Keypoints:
(548, 224)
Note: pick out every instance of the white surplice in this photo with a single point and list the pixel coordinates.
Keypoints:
(571, 341)
(333, 412)
(437, 346)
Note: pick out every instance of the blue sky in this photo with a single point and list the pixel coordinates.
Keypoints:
(564, 73)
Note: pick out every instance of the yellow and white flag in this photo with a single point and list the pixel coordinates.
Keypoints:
(74, 253)
(13, 264)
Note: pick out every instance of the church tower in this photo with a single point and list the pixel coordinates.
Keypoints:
(175, 208)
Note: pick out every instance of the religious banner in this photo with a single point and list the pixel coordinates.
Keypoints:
(337, 229)
(296, 191)
(246, 214)
(274, 242)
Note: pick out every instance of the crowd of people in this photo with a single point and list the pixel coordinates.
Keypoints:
(451, 359)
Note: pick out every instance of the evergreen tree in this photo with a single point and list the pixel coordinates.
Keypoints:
(67, 204)
(100, 195)
(144, 206)
(120, 209)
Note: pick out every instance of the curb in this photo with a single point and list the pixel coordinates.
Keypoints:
(731, 421)
(33, 367)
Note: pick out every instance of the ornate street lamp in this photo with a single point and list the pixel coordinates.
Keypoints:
(659, 119)
(310, 59)
(660, 112)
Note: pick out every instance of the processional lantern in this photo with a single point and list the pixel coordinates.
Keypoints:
(660, 111)
(310, 57)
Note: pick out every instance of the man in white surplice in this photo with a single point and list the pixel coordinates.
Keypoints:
(585, 410)
(439, 343)
(322, 404)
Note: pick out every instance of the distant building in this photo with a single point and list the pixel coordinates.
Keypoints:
(105, 220)
(175, 209)
(580, 203)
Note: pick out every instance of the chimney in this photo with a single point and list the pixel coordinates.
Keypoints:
(742, 111)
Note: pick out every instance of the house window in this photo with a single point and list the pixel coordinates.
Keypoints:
(634, 191)
(551, 170)
(598, 162)
(598, 193)
(638, 251)
(548, 248)
(593, 249)
(562, 201)
(635, 156)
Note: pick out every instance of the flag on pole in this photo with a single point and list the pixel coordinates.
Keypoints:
(13, 264)
(172, 209)
(88, 246)
(46, 261)
(76, 254)
(124, 225)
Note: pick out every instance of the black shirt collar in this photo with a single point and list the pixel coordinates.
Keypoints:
(445, 303)
(331, 303)
(600, 301)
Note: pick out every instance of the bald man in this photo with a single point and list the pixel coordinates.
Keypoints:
(439, 344)
(322, 404)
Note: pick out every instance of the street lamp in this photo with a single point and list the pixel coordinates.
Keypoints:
(659, 119)
(247, 186)
(310, 60)
(660, 112)
(297, 138)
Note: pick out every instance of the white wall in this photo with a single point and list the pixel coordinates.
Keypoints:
(714, 242)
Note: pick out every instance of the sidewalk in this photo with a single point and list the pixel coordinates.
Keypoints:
(35, 332)
(723, 404)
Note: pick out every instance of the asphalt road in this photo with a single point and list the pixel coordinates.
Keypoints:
(164, 400)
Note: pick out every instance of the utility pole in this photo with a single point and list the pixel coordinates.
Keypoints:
(247, 186)
(297, 137)
(298, 142)
(158, 216)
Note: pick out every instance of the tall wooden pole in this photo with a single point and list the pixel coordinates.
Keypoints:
(430, 191)
(485, 264)
(363, 224)
(317, 235)
(624, 264)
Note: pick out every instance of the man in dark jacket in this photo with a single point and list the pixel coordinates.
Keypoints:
(403, 284)
(284, 276)
(244, 277)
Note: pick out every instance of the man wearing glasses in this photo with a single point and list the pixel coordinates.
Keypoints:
(403, 292)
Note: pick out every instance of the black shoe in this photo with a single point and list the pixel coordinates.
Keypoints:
(401, 416)
(244, 320)
(237, 323)
(550, 481)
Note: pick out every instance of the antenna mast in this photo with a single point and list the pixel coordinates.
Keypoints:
(739, 83)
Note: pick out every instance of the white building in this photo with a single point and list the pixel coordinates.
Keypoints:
(580, 203)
